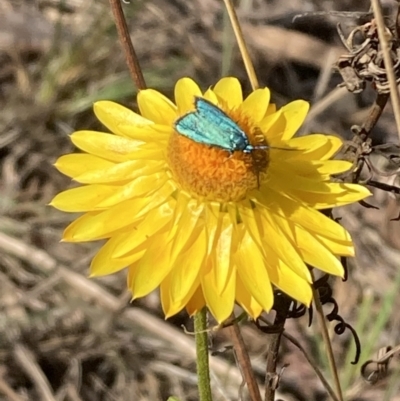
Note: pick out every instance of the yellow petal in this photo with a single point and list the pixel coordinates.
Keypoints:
(219, 303)
(252, 224)
(271, 109)
(104, 263)
(76, 164)
(257, 282)
(147, 273)
(313, 170)
(328, 167)
(113, 114)
(189, 226)
(181, 283)
(92, 226)
(156, 107)
(314, 191)
(211, 97)
(314, 147)
(154, 223)
(141, 186)
(267, 126)
(294, 114)
(82, 199)
(121, 172)
(211, 219)
(185, 92)
(308, 218)
(288, 121)
(289, 282)
(149, 133)
(256, 104)
(196, 303)
(221, 264)
(275, 237)
(334, 195)
(246, 301)
(342, 248)
(315, 253)
(230, 91)
(108, 146)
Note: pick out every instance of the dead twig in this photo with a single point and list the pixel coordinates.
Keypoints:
(125, 39)
(244, 361)
(375, 370)
(390, 72)
(8, 391)
(29, 365)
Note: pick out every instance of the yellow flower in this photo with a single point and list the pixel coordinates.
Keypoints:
(208, 226)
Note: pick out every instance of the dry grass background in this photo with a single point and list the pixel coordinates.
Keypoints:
(65, 337)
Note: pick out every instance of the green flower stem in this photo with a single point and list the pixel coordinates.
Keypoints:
(203, 367)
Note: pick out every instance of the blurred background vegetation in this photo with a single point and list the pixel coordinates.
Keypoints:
(65, 337)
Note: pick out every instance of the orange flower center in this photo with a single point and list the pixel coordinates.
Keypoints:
(215, 174)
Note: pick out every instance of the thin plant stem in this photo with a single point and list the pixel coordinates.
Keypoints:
(312, 363)
(241, 43)
(394, 94)
(244, 363)
(274, 342)
(125, 39)
(327, 342)
(203, 367)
